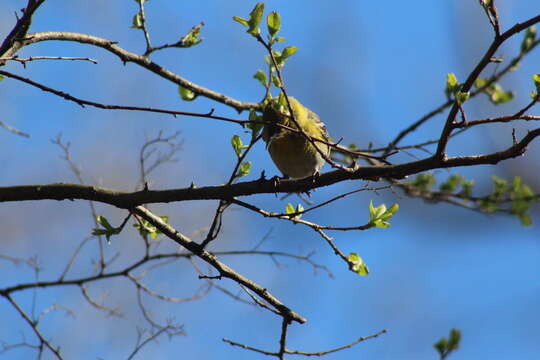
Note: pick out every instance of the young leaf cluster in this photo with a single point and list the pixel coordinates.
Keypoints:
(108, 230)
(379, 216)
(357, 264)
(494, 91)
(186, 94)
(296, 213)
(520, 197)
(193, 37)
(277, 58)
(239, 147)
(453, 88)
(528, 40)
(146, 229)
(445, 346)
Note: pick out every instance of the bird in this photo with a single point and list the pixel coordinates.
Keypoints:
(292, 153)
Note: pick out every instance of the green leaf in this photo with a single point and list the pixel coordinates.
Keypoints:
(379, 211)
(137, 22)
(461, 97)
(452, 183)
(380, 224)
(498, 95)
(289, 209)
(466, 188)
(146, 229)
(275, 81)
(514, 64)
(480, 82)
(424, 181)
(186, 94)
(393, 209)
(102, 220)
(193, 37)
(500, 186)
(522, 199)
(261, 76)
(371, 210)
(277, 57)
(378, 216)
(237, 145)
(282, 103)
(495, 92)
(284, 55)
(99, 232)
(241, 20)
(536, 79)
(528, 40)
(109, 229)
(487, 205)
(255, 19)
(451, 81)
(244, 169)
(274, 23)
(279, 39)
(165, 218)
(452, 85)
(525, 220)
(454, 339)
(453, 88)
(255, 127)
(441, 346)
(1, 77)
(516, 183)
(357, 265)
(288, 51)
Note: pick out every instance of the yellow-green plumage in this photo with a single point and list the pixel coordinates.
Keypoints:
(294, 155)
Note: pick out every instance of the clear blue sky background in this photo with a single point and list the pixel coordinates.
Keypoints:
(369, 69)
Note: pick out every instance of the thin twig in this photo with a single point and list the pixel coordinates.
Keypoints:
(83, 102)
(326, 352)
(34, 326)
(211, 259)
(14, 130)
(34, 58)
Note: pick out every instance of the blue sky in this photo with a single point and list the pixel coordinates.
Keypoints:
(368, 69)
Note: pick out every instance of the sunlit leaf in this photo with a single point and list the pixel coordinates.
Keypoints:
(186, 94)
(261, 76)
(358, 265)
(244, 169)
(274, 23)
(237, 144)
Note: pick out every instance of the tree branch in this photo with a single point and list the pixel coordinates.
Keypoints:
(83, 102)
(486, 59)
(127, 200)
(143, 61)
(211, 259)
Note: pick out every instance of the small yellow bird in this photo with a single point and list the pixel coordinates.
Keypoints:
(294, 155)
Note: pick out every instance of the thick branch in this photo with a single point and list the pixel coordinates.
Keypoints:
(128, 200)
